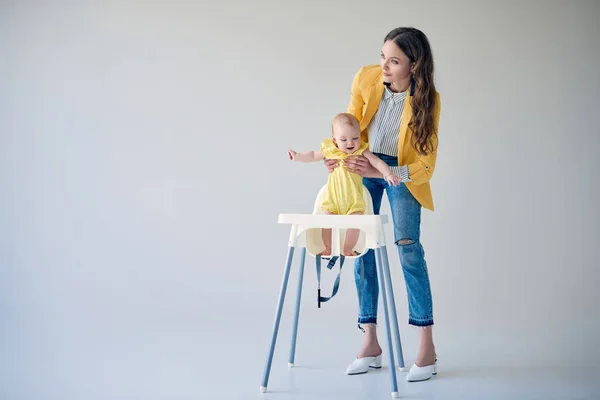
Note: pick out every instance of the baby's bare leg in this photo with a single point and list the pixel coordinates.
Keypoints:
(326, 235)
(351, 239)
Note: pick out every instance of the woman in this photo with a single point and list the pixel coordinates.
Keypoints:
(398, 109)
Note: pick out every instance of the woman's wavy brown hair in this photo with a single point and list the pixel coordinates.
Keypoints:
(415, 45)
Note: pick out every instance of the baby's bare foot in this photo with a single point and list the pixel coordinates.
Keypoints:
(349, 253)
(326, 252)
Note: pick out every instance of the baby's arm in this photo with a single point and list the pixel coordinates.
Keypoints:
(382, 167)
(307, 156)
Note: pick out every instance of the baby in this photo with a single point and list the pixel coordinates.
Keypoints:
(343, 194)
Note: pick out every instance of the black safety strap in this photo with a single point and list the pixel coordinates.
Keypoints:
(336, 284)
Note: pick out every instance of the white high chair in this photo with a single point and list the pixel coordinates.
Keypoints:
(305, 233)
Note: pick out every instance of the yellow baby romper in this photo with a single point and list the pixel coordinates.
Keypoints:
(343, 194)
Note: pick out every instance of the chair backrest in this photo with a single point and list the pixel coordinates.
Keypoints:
(314, 238)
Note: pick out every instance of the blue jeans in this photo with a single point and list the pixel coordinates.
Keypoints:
(406, 216)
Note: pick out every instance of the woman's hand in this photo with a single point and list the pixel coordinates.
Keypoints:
(361, 166)
(331, 164)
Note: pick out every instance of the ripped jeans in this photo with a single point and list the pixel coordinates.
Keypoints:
(406, 216)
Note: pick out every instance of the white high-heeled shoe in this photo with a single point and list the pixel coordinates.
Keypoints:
(362, 365)
(417, 373)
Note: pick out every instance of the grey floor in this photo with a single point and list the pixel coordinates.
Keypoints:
(318, 374)
(211, 343)
(223, 358)
(451, 383)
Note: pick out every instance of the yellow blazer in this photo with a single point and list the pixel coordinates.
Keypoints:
(366, 93)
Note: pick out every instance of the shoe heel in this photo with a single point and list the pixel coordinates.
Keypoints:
(376, 363)
(434, 368)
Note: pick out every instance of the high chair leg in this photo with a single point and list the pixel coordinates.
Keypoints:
(395, 328)
(382, 289)
(297, 311)
(286, 276)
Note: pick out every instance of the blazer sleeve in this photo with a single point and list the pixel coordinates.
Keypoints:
(421, 171)
(356, 99)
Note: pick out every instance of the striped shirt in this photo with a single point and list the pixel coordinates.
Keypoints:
(384, 129)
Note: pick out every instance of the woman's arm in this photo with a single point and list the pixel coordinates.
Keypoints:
(356, 100)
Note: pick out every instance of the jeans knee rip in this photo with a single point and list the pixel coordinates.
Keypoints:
(404, 242)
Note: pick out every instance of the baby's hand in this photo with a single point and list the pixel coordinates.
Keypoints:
(291, 154)
(393, 180)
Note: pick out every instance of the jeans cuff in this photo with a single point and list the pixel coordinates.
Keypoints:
(420, 321)
(367, 320)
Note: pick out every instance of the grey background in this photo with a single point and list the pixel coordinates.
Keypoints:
(143, 165)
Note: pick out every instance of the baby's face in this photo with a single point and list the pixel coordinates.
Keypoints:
(347, 138)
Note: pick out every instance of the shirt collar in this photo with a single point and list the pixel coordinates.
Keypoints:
(396, 97)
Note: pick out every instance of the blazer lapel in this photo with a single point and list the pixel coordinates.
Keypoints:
(374, 98)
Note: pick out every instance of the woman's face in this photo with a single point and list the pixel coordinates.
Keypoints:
(396, 66)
